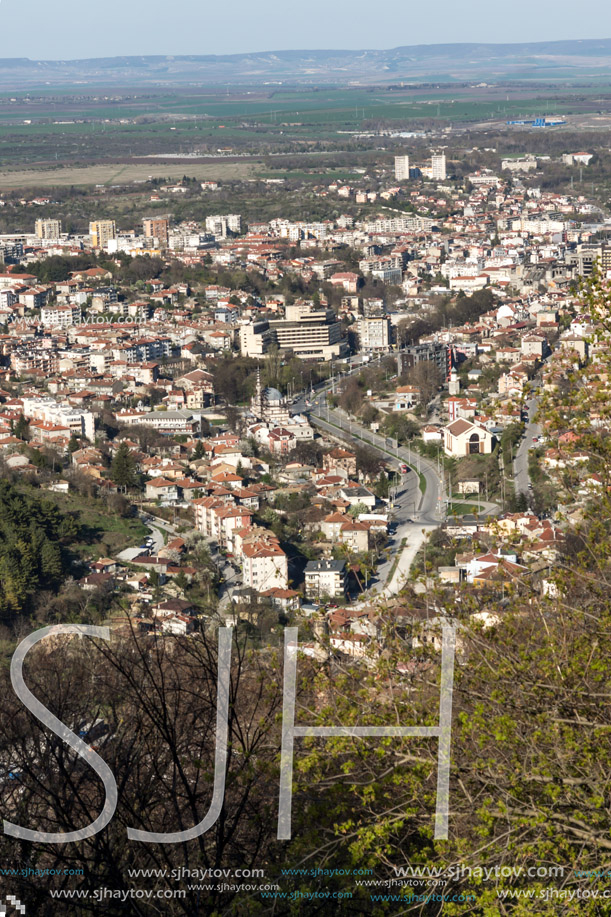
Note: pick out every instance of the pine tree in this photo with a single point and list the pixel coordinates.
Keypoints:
(122, 469)
(22, 428)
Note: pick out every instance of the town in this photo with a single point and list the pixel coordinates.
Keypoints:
(303, 419)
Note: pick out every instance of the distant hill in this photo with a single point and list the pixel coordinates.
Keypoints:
(546, 61)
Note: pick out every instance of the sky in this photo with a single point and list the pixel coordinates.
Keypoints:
(72, 29)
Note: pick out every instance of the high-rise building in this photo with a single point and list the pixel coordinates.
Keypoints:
(48, 229)
(401, 168)
(157, 228)
(438, 166)
(101, 232)
(222, 224)
(374, 333)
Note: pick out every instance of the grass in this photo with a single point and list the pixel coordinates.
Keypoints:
(106, 174)
(459, 509)
(101, 532)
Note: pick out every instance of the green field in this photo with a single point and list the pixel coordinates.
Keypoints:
(77, 128)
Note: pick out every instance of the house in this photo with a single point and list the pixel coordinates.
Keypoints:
(431, 434)
(340, 461)
(406, 396)
(325, 578)
(465, 438)
(178, 625)
(355, 535)
(174, 607)
(331, 526)
(356, 493)
(161, 489)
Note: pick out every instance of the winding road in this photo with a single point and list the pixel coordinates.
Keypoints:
(415, 514)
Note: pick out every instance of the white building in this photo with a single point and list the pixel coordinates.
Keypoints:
(374, 333)
(81, 423)
(325, 578)
(163, 421)
(55, 316)
(401, 168)
(465, 438)
(222, 224)
(438, 166)
(264, 566)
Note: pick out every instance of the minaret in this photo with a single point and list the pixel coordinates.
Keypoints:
(257, 401)
(454, 384)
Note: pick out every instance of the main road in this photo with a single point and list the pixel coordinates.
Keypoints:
(532, 431)
(419, 501)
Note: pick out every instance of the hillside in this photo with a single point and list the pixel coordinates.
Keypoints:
(548, 61)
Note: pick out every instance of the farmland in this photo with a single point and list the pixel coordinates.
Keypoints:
(102, 136)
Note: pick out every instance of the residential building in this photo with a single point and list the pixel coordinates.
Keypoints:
(438, 166)
(81, 423)
(157, 228)
(374, 333)
(264, 566)
(402, 168)
(48, 229)
(55, 316)
(222, 225)
(101, 232)
(325, 579)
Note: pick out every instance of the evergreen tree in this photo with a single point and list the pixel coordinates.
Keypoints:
(122, 469)
(22, 428)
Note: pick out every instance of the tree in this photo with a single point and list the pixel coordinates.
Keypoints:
(368, 462)
(155, 709)
(123, 468)
(400, 427)
(427, 377)
(21, 429)
(199, 450)
(74, 444)
(233, 417)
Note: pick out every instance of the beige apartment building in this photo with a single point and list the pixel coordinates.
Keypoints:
(101, 232)
(48, 229)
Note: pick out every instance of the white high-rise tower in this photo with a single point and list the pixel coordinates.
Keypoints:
(401, 168)
(438, 166)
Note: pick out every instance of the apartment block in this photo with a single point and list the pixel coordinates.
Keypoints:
(157, 228)
(101, 232)
(402, 168)
(48, 229)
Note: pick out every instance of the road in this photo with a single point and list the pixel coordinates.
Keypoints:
(415, 514)
(156, 529)
(520, 464)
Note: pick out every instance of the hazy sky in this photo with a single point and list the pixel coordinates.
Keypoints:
(77, 28)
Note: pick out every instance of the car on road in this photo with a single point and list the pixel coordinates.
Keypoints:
(404, 468)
